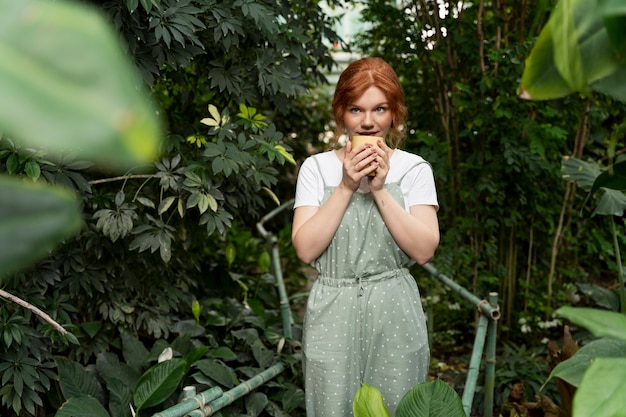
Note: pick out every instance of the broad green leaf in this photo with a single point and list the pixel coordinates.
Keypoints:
(218, 372)
(602, 391)
(93, 105)
(582, 172)
(120, 397)
(599, 322)
(573, 53)
(603, 297)
(34, 219)
(223, 352)
(82, 405)
(75, 380)
(431, 399)
(613, 178)
(158, 383)
(134, 352)
(368, 402)
(565, 43)
(614, 13)
(255, 403)
(573, 369)
(610, 203)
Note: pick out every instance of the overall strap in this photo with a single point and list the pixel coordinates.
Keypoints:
(413, 166)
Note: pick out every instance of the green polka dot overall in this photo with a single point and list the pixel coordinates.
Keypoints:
(364, 319)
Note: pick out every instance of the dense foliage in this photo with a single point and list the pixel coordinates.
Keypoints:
(168, 256)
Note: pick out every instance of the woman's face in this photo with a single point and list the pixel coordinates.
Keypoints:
(369, 114)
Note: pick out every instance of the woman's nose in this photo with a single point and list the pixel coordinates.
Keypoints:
(367, 120)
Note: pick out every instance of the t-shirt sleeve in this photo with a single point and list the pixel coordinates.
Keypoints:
(309, 185)
(419, 186)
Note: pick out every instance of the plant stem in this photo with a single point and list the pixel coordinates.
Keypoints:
(620, 269)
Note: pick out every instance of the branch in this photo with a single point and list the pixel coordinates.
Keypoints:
(34, 309)
(121, 178)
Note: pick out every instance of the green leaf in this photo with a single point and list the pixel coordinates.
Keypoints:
(599, 322)
(568, 59)
(75, 380)
(573, 53)
(34, 218)
(614, 178)
(91, 328)
(602, 391)
(218, 372)
(50, 99)
(368, 402)
(165, 204)
(431, 399)
(158, 383)
(83, 406)
(573, 369)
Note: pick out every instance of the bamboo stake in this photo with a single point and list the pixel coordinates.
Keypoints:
(285, 309)
(239, 391)
(191, 403)
(474, 365)
(490, 360)
(483, 306)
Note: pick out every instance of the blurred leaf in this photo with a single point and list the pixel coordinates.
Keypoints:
(368, 402)
(51, 99)
(573, 369)
(574, 52)
(602, 391)
(33, 220)
(599, 322)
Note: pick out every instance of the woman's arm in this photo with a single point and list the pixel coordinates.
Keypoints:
(314, 227)
(415, 231)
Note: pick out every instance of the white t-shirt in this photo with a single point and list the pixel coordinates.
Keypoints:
(418, 185)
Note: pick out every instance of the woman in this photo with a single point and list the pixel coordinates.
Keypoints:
(364, 320)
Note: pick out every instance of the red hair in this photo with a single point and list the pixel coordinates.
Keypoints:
(361, 75)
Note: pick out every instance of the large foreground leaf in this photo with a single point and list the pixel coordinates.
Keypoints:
(573, 369)
(602, 391)
(368, 402)
(66, 84)
(599, 322)
(578, 51)
(33, 220)
(431, 399)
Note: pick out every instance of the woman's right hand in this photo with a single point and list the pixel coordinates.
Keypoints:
(357, 163)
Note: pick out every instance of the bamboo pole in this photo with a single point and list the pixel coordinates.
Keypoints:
(474, 365)
(285, 309)
(190, 402)
(493, 312)
(490, 360)
(239, 391)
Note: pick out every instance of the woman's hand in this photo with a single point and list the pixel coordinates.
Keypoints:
(358, 163)
(382, 154)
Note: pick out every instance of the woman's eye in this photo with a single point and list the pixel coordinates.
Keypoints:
(354, 110)
(381, 109)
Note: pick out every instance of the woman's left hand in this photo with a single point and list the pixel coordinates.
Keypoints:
(383, 155)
